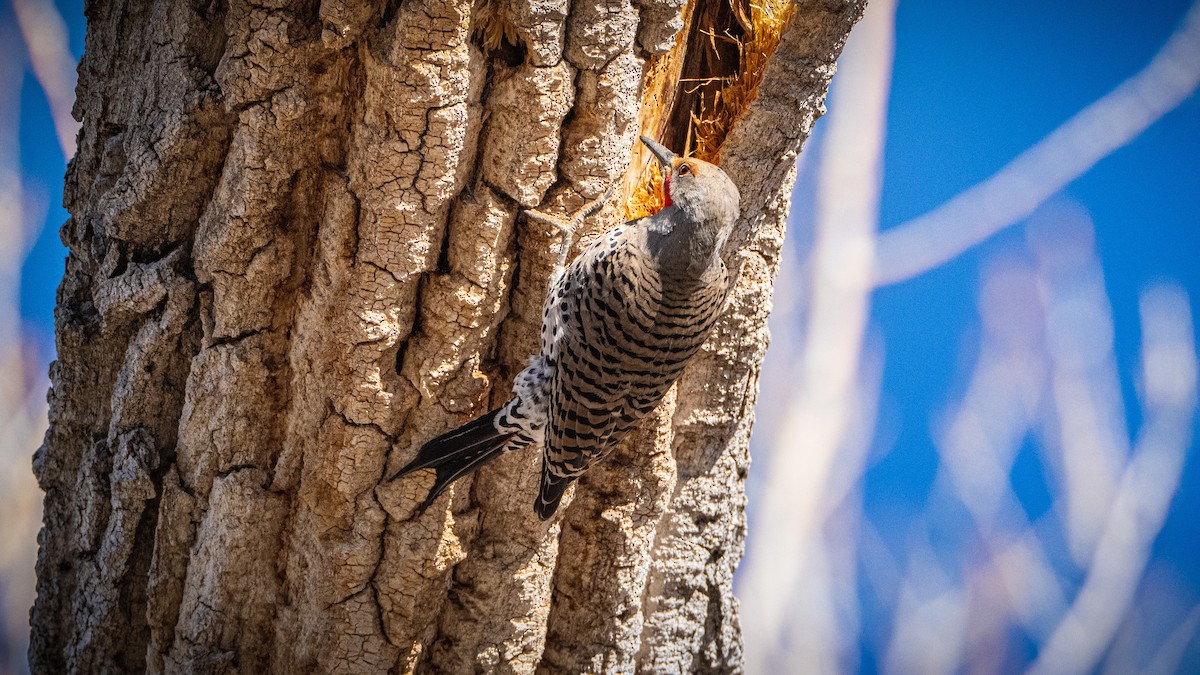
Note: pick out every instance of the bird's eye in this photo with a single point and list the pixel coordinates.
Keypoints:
(684, 169)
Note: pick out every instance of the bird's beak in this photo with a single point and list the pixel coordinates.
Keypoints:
(664, 155)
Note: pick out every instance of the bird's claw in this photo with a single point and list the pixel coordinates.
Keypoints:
(568, 228)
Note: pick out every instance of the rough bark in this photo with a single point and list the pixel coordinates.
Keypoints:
(295, 255)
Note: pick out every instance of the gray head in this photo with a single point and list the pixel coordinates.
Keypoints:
(700, 190)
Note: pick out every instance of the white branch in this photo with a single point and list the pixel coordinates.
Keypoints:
(45, 35)
(1013, 193)
(789, 556)
(1147, 486)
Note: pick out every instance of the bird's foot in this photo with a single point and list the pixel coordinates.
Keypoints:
(568, 228)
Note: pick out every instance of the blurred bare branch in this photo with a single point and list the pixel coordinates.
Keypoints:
(793, 569)
(1146, 487)
(1090, 437)
(1035, 175)
(930, 619)
(22, 397)
(45, 35)
(979, 444)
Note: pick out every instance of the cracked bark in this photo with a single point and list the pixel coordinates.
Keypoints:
(295, 256)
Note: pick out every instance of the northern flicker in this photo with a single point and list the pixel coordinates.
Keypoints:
(618, 326)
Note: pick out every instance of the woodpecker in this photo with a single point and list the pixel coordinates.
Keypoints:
(618, 326)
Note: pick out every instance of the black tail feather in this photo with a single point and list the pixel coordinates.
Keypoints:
(456, 453)
(551, 493)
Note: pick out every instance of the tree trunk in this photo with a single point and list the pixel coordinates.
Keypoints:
(296, 254)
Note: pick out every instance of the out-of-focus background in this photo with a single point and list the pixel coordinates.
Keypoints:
(40, 43)
(974, 449)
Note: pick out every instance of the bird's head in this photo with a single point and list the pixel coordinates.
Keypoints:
(699, 189)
